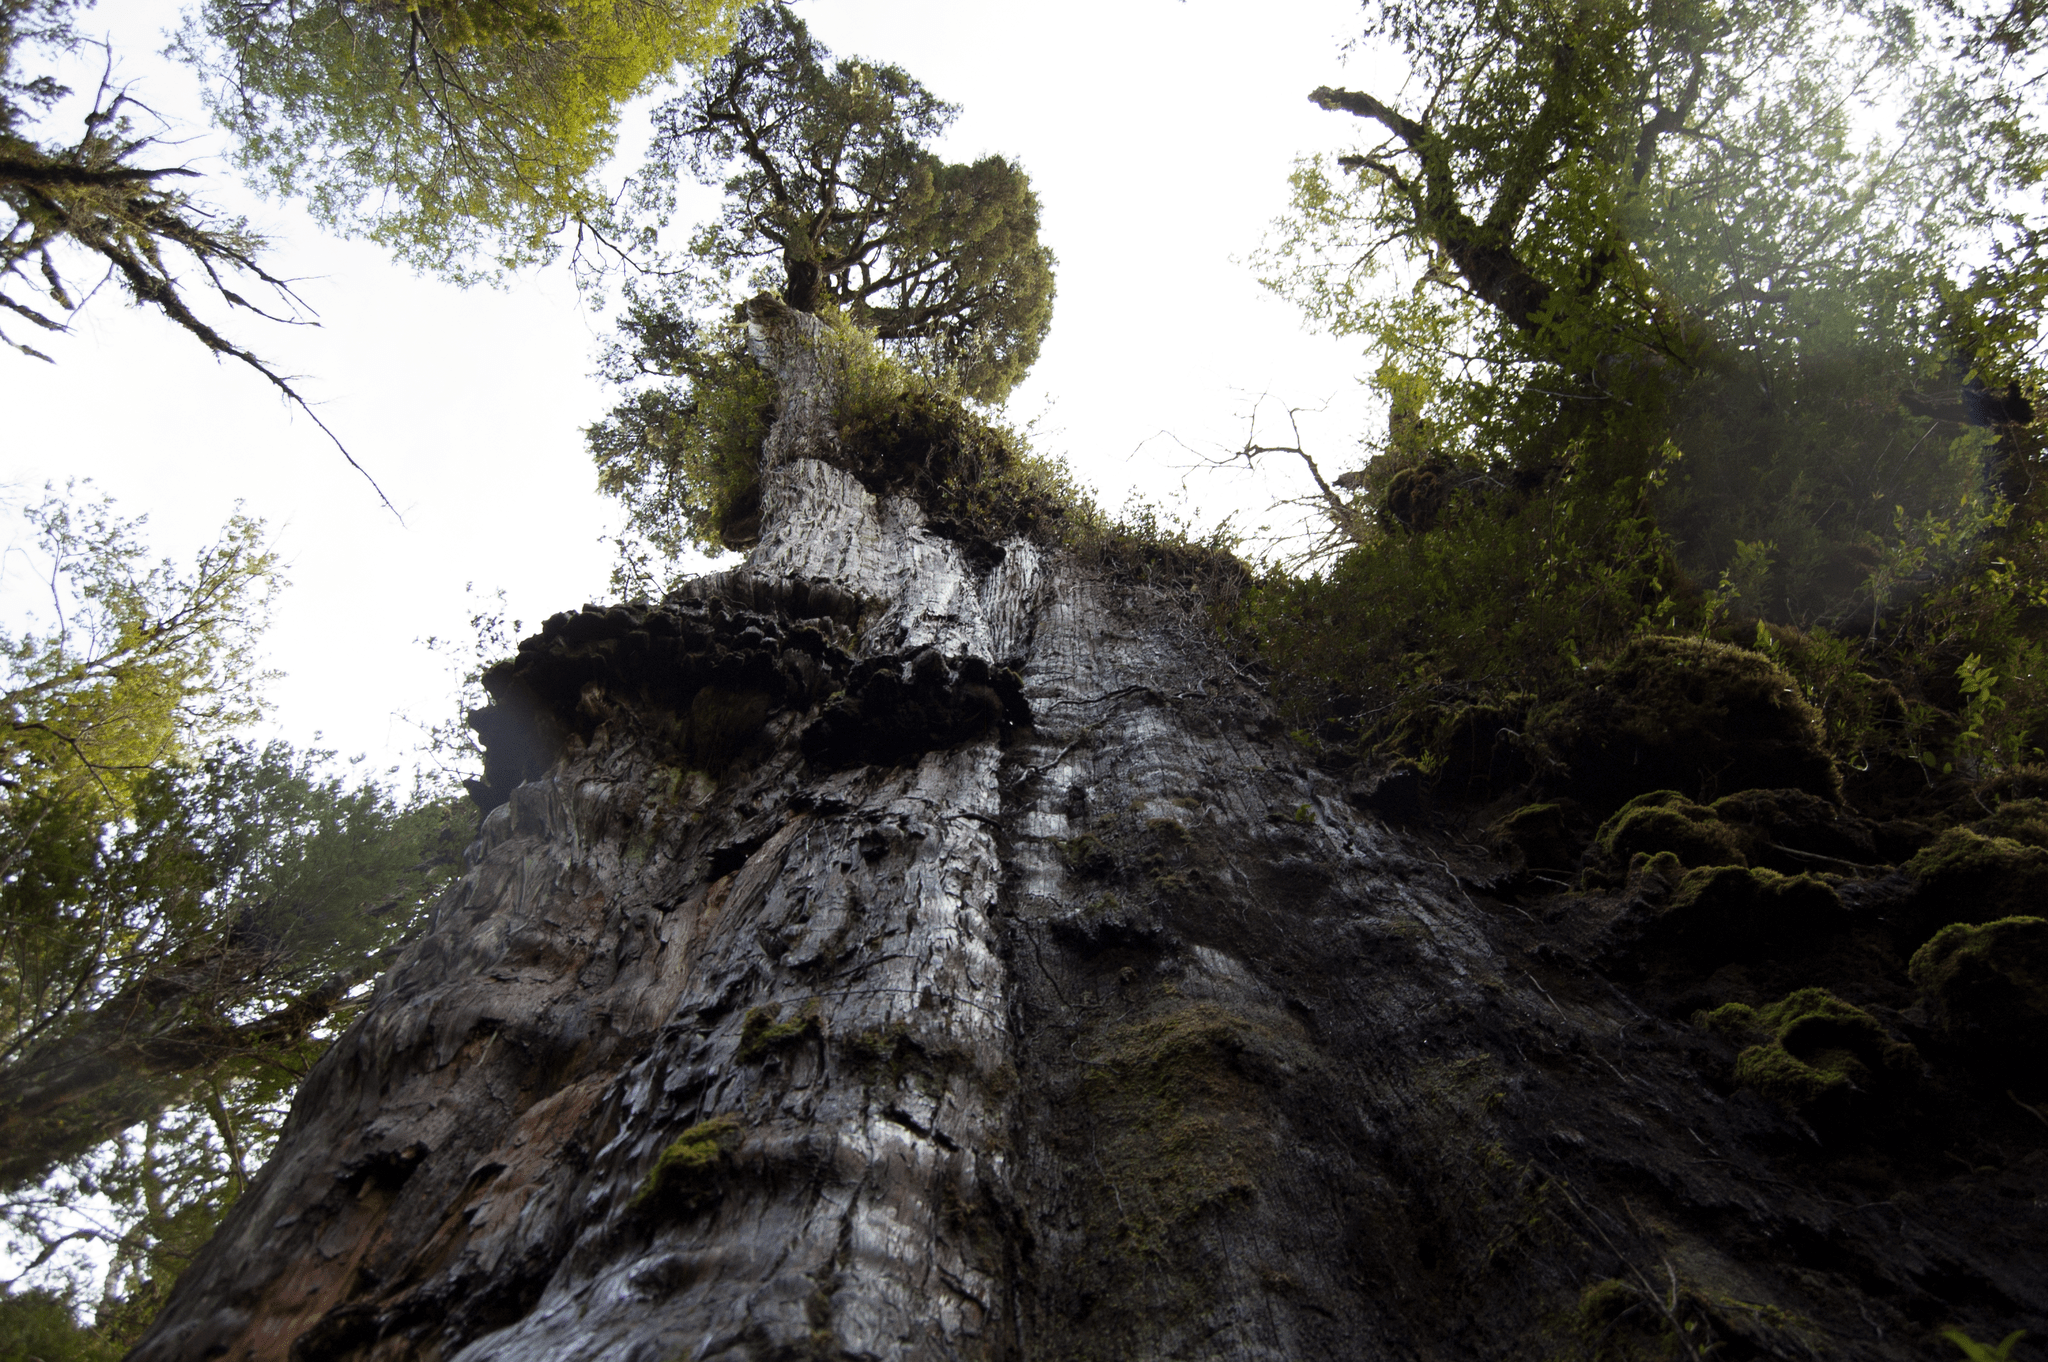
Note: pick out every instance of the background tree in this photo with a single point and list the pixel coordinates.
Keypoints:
(444, 131)
(1677, 310)
(184, 917)
(91, 205)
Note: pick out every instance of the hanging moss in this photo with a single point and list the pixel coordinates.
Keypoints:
(1986, 988)
(688, 1175)
(1812, 1052)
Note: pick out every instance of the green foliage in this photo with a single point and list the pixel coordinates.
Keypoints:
(139, 663)
(1627, 226)
(41, 1326)
(182, 969)
(1984, 1352)
(1689, 272)
(685, 456)
(1500, 595)
(833, 197)
(447, 129)
(95, 206)
(184, 917)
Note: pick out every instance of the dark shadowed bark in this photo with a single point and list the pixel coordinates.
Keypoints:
(894, 949)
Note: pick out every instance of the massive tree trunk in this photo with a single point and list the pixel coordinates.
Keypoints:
(899, 948)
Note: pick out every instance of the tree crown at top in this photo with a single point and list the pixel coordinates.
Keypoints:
(1721, 251)
(833, 195)
(448, 129)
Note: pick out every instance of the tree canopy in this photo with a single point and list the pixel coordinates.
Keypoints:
(1693, 316)
(449, 132)
(1736, 234)
(834, 198)
(444, 131)
(93, 205)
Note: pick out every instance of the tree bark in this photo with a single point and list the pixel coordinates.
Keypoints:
(820, 992)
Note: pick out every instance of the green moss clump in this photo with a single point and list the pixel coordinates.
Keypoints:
(688, 1174)
(2021, 820)
(763, 1033)
(889, 1055)
(888, 1051)
(1602, 1303)
(1653, 875)
(1811, 1052)
(1719, 914)
(1785, 828)
(1965, 876)
(905, 434)
(1179, 1104)
(1736, 1023)
(1987, 986)
(1543, 834)
(926, 444)
(1471, 749)
(1685, 714)
(1667, 821)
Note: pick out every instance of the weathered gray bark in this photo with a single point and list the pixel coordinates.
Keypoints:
(1117, 1033)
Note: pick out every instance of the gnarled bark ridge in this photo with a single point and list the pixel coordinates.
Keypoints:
(899, 954)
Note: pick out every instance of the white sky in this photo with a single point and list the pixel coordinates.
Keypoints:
(1158, 135)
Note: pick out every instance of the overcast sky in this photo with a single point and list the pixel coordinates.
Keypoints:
(1158, 135)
